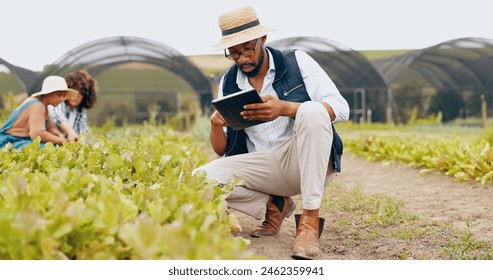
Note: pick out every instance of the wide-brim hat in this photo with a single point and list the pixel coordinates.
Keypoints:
(52, 84)
(239, 26)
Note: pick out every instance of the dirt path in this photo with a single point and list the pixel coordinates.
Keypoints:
(435, 196)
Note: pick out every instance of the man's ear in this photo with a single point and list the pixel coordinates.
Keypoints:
(264, 39)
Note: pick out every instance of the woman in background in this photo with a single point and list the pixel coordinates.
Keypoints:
(70, 116)
(30, 120)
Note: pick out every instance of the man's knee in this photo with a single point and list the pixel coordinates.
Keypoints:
(313, 114)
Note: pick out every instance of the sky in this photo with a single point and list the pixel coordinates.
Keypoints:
(34, 33)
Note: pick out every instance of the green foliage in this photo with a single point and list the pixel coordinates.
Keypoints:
(431, 119)
(488, 135)
(201, 129)
(352, 126)
(467, 247)
(375, 210)
(128, 194)
(8, 83)
(8, 104)
(449, 154)
(153, 110)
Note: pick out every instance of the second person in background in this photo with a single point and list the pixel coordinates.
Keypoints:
(30, 120)
(70, 116)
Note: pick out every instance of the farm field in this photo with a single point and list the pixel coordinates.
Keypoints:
(130, 180)
(125, 193)
(387, 203)
(434, 218)
(387, 209)
(390, 210)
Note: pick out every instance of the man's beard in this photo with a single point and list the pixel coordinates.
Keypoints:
(255, 70)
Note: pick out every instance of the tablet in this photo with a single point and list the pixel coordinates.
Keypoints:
(230, 107)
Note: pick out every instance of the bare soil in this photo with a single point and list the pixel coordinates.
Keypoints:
(436, 197)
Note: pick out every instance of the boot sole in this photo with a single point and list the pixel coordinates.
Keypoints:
(302, 257)
(258, 235)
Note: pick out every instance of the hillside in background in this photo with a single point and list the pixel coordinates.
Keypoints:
(381, 54)
(211, 64)
(214, 64)
(129, 90)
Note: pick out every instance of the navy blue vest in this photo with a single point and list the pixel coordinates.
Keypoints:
(289, 86)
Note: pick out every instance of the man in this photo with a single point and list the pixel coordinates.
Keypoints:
(290, 154)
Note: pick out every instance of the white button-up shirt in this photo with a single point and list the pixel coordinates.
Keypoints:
(319, 87)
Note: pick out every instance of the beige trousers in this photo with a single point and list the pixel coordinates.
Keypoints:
(300, 165)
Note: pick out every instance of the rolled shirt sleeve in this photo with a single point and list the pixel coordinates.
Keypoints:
(320, 86)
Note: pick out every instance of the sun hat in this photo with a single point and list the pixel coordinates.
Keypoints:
(239, 26)
(52, 84)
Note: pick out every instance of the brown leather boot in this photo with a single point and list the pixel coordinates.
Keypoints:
(306, 246)
(274, 217)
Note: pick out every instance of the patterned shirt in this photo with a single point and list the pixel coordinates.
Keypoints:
(77, 120)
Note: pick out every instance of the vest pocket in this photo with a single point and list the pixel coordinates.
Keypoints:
(286, 93)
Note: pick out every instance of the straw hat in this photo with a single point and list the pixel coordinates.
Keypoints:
(52, 84)
(239, 26)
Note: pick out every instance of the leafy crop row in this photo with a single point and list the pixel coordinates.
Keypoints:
(127, 195)
(451, 155)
